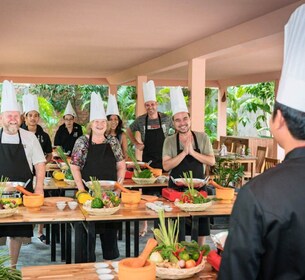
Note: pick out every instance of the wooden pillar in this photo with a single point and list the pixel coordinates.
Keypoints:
(222, 112)
(196, 83)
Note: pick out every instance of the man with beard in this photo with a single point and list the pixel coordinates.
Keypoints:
(186, 150)
(31, 114)
(19, 152)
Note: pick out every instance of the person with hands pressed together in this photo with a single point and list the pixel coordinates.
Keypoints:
(99, 155)
(19, 152)
(267, 225)
(186, 150)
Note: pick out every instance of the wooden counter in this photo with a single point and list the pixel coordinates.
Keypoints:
(86, 271)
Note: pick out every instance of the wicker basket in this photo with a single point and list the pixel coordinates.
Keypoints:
(7, 212)
(101, 211)
(190, 207)
(70, 182)
(144, 181)
(179, 273)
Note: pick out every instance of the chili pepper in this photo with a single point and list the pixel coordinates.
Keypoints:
(199, 260)
(178, 251)
(214, 259)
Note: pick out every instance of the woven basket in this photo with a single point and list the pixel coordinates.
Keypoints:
(101, 211)
(144, 181)
(7, 212)
(70, 182)
(179, 273)
(190, 207)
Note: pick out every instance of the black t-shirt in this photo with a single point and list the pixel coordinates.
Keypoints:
(65, 139)
(43, 138)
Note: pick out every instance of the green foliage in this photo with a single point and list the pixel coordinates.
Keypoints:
(210, 115)
(7, 273)
(227, 172)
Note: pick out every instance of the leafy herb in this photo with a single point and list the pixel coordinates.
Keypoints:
(7, 272)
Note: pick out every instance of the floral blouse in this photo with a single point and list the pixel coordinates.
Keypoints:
(80, 150)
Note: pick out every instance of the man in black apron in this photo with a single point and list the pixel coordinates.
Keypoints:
(19, 150)
(153, 127)
(186, 151)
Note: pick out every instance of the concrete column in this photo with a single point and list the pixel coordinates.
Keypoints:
(140, 109)
(222, 112)
(113, 89)
(196, 83)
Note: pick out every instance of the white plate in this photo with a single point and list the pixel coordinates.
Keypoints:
(103, 271)
(115, 264)
(131, 164)
(180, 182)
(101, 265)
(105, 277)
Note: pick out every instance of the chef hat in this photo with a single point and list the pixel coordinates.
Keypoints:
(149, 91)
(112, 106)
(69, 110)
(177, 100)
(97, 111)
(291, 90)
(30, 103)
(9, 99)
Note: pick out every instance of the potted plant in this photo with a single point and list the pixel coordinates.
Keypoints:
(227, 174)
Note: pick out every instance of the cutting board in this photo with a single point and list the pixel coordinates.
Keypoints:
(149, 198)
(51, 201)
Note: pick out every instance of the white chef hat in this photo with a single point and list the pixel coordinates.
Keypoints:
(112, 106)
(149, 91)
(9, 99)
(30, 103)
(291, 90)
(97, 111)
(178, 104)
(69, 110)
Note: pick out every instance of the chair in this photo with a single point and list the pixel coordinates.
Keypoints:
(271, 162)
(216, 145)
(261, 153)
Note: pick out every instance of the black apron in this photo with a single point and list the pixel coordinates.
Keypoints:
(101, 163)
(14, 165)
(153, 145)
(187, 164)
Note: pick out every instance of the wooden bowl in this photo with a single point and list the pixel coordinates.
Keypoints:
(33, 202)
(126, 272)
(132, 199)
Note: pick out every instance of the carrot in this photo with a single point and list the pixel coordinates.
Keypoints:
(121, 187)
(155, 171)
(214, 184)
(24, 191)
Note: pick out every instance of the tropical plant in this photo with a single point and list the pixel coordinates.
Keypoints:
(227, 172)
(7, 272)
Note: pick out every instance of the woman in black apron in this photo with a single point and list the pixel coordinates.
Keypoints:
(187, 164)
(101, 163)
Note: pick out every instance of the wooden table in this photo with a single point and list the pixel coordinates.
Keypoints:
(51, 215)
(128, 215)
(87, 271)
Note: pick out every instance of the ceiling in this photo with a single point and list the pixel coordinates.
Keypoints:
(113, 42)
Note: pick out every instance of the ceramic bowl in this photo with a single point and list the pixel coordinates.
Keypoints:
(61, 206)
(33, 202)
(131, 199)
(72, 205)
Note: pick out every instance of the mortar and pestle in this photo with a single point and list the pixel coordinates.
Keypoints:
(139, 268)
(130, 199)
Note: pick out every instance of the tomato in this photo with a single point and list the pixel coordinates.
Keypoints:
(184, 256)
(190, 264)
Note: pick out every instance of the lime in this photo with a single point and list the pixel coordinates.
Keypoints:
(184, 256)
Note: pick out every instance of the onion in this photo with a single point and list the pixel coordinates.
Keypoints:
(156, 257)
